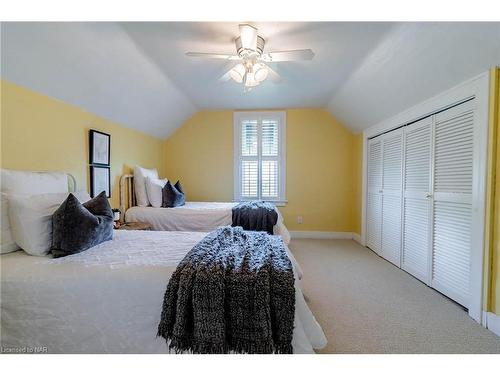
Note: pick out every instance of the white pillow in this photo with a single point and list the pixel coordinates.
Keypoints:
(31, 219)
(7, 244)
(140, 175)
(25, 182)
(154, 190)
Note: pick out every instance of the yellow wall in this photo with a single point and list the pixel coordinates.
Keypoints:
(200, 154)
(41, 133)
(320, 160)
(492, 258)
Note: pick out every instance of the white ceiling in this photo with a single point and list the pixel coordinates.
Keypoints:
(137, 73)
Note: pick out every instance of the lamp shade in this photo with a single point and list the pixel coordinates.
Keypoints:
(238, 73)
(250, 80)
(260, 72)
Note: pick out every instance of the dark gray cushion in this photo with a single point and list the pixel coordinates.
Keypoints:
(178, 186)
(77, 227)
(173, 196)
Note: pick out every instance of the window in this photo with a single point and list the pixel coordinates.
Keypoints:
(259, 156)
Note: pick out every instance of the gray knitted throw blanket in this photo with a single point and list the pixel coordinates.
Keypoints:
(232, 293)
(255, 215)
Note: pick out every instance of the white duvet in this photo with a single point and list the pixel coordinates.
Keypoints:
(107, 299)
(194, 217)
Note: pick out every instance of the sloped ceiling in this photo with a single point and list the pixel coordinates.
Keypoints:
(414, 62)
(137, 74)
(97, 67)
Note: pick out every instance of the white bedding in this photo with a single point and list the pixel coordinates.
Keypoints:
(107, 299)
(194, 217)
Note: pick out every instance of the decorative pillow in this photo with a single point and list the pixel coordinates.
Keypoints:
(173, 196)
(140, 175)
(31, 219)
(7, 243)
(178, 186)
(154, 188)
(78, 227)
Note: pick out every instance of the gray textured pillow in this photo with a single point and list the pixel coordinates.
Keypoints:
(173, 196)
(77, 227)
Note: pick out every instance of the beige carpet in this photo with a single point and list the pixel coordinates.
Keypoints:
(367, 305)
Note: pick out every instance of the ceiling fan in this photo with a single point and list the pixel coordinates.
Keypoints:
(251, 68)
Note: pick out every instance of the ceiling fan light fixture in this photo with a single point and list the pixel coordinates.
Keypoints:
(250, 80)
(260, 72)
(238, 73)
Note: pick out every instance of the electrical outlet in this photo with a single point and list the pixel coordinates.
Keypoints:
(300, 220)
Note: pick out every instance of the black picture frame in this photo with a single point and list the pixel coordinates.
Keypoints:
(96, 141)
(97, 178)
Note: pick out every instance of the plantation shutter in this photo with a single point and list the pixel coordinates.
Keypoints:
(250, 159)
(260, 161)
(270, 159)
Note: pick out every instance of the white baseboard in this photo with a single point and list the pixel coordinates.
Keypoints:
(493, 323)
(322, 235)
(356, 237)
(484, 319)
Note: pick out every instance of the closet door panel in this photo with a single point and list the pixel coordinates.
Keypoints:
(453, 172)
(374, 165)
(374, 195)
(392, 146)
(374, 221)
(391, 229)
(451, 250)
(415, 256)
(392, 161)
(417, 204)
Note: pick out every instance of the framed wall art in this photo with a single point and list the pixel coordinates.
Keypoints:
(100, 180)
(99, 148)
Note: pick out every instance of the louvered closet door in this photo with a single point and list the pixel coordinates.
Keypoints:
(452, 216)
(417, 202)
(392, 151)
(374, 195)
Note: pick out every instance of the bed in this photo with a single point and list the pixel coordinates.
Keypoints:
(192, 217)
(107, 299)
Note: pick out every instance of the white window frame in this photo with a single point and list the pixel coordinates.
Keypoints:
(238, 118)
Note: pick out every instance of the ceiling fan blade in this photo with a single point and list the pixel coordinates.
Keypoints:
(248, 36)
(292, 55)
(272, 75)
(212, 55)
(226, 77)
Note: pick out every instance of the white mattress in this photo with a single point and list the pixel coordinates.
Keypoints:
(194, 217)
(107, 299)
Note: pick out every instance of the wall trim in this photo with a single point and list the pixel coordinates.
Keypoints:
(484, 319)
(357, 238)
(493, 323)
(322, 235)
